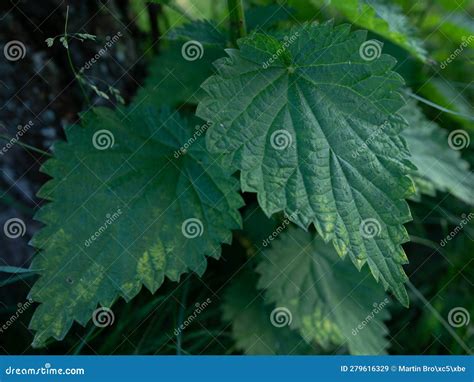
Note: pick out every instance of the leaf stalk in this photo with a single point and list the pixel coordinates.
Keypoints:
(238, 26)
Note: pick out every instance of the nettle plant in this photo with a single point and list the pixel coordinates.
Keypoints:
(312, 119)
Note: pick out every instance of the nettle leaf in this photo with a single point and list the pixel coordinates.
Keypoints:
(266, 17)
(183, 65)
(387, 20)
(204, 31)
(325, 297)
(293, 114)
(252, 328)
(174, 80)
(440, 167)
(128, 207)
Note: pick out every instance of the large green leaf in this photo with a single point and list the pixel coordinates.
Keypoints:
(328, 301)
(293, 130)
(385, 19)
(153, 210)
(203, 31)
(252, 328)
(183, 65)
(440, 167)
(267, 16)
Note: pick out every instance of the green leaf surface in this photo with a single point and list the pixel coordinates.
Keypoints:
(452, 27)
(291, 114)
(173, 80)
(204, 31)
(387, 20)
(125, 211)
(329, 301)
(176, 74)
(440, 167)
(267, 16)
(254, 334)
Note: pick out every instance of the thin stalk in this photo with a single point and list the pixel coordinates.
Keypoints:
(76, 75)
(10, 201)
(427, 243)
(182, 309)
(440, 318)
(238, 28)
(14, 279)
(439, 107)
(25, 145)
(84, 340)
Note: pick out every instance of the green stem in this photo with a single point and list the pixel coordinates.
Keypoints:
(25, 145)
(440, 318)
(14, 279)
(238, 28)
(76, 75)
(427, 243)
(439, 107)
(84, 340)
(182, 309)
(10, 201)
